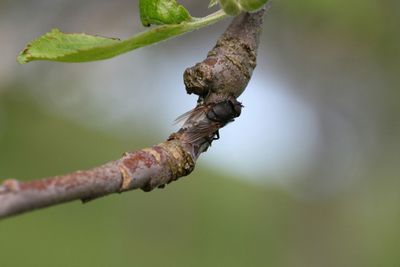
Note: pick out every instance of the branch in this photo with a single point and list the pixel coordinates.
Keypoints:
(223, 75)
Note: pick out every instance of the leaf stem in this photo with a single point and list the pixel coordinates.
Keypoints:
(164, 32)
(207, 20)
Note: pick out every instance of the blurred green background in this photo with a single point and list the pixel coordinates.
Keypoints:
(307, 176)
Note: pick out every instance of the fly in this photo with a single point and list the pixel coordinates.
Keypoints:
(204, 121)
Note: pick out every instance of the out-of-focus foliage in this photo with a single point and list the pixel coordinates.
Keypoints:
(201, 220)
(369, 24)
(205, 219)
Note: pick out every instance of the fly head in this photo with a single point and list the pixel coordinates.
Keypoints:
(224, 111)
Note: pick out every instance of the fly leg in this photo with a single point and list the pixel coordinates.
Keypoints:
(216, 137)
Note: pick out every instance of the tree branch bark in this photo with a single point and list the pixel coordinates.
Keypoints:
(224, 73)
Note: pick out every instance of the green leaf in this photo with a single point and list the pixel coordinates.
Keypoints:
(231, 7)
(58, 46)
(162, 12)
(252, 5)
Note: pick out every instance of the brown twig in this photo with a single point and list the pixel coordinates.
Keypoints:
(225, 72)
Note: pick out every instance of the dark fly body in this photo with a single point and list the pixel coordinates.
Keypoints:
(204, 121)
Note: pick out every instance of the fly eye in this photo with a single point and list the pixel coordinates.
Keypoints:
(221, 109)
(212, 115)
(238, 109)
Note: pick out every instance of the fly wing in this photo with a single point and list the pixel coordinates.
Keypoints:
(192, 115)
(182, 118)
(202, 130)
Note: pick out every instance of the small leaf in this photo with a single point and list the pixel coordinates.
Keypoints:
(162, 12)
(252, 5)
(80, 47)
(231, 7)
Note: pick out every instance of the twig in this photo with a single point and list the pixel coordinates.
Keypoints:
(225, 72)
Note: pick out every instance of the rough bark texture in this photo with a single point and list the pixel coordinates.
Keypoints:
(225, 72)
(230, 64)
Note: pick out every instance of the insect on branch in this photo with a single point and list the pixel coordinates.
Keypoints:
(218, 81)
